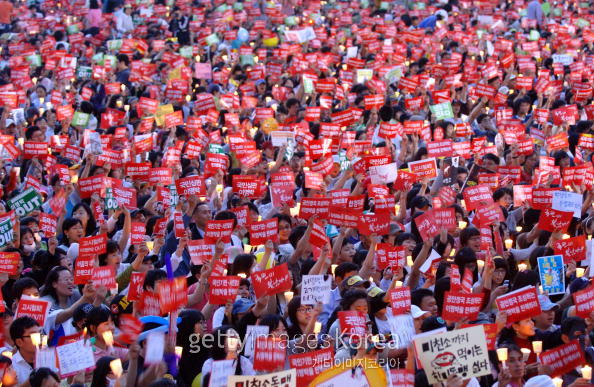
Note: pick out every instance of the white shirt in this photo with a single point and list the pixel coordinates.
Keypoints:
(21, 367)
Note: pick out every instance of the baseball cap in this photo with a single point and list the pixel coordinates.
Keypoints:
(546, 304)
(374, 291)
(432, 323)
(417, 312)
(242, 305)
(540, 381)
(120, 305)
(355, 280)
(81, 312)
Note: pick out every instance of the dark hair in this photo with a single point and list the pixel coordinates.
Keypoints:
(96, 316)
(283, 217)
(67, 225)
(38, 376)
(525, 278)
(465, 256)
(344, 268)
(501, 192)
(468, 233)
(48, 288)
(272, 321)
(218, 349)
(20, 285)
(152, 277)
(350, 296)
(416, 296)
(190, 363)
(112, 247)
(569, 323)
(91, 223)
(442, 286)
(242, 264)
(101, 371)
(19, 326)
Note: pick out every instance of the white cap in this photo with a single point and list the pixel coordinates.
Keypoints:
(416, 312)
(540, 381)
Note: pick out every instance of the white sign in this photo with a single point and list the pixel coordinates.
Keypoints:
(564, 59)
(568, 202)
(74, 357)
(403, 330)
(383, 174)
(280, 137)
(462, 352)
(282, 378)
(314, 289)
(253, 332)
(155, 347)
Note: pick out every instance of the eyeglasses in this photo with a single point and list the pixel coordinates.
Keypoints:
(305, 309)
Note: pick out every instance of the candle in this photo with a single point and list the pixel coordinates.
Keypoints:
(579, 272)
(116, 367)
(587, 372)
(518, 228)
(565, 236)
(317, 327)
(36, 339)
(409, 260)
(537, 346)
(247, 249)
(509, 243)
(525, 353)
(333, 268)
(8, 354)
(179, 351)
(558, 382)
(127, 108)
(396, 208)
(108, 338)
(242, 275)
(288, 296)
(453, 252)
(43, 341)
(522, 267)
(480, 263)
(149, 245)
(398, 284)
(225, 272)
(502, 354)
(462, 224)
(123, 87)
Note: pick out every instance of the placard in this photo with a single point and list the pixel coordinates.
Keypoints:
(74, 357)
(568, 202)
(35, 308)
(424, 169)
(564, 358)
(520, 304)
(223, 289)
(272, 281)
(315, 288)
(552, 274)
(285, 378)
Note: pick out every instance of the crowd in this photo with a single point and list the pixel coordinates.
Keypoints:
(296, 192)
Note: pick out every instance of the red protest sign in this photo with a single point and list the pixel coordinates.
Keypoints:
(572, 249)
(248, 186)
(90, 185)
(47, 224)
(310, 364)
(269, 353)
(519, 304)
(444, 218)
(223, 289)
(424, 169)
(178, 224)
(461, 305)
(260, 232)
(83, 269)
(92, 246)
(387, 255)
(479, 195)
(104, 276)
(352, 323)
(35, 308)
(138, 232)
(564, 358)
(554, 221)
(272, 281)
(314, 206)
(584, 302)
(136, 282)
(488, 214)
(218, 229)
(130, 328)
(400, 300)
(9, 262)
(405, 180)
(191, 185)
(149, 304)
(125, 197)
(172, 294)
(426, 225)
(542, 198)
(199, 251)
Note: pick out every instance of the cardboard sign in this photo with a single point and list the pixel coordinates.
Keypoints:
(462, 352)
(191, 185)
(104, 276)
(223, 289)
(261, 232)
(286, 378)
(74, 357)
(26, 202)
(564, 358)
(308, 365)
(272, 281)
(424, 169)
(92, 246)
(552, 274)
(352, 323)
(554, 221)
(9, 262)
(572, 249)
(479, 195)
(136, 285)
(458, 305)
(35, 308)
(155, 348)
(137, 233)
(519, 304)
(315, 288)
(269, 354)
(568, 202)
(199, 251)
(218, 229)
(83, 269)
(400, 300)
(584, 302)
(426, 226)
